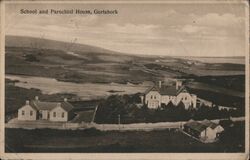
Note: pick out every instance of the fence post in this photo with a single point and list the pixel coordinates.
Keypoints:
(119, 121)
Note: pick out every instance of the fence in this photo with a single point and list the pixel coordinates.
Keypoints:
(104, 127)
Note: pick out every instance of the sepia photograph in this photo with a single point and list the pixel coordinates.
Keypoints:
(135, 77)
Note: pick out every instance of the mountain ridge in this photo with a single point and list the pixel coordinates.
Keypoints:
(43, 43)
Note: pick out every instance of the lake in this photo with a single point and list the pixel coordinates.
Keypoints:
(85, 91)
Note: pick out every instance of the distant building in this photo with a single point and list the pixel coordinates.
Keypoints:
(226, 108)
(52, 111)
(204, 102)
(206, 131)
(158, 95)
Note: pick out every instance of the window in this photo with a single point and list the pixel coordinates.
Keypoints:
(31, 113)
(54, 114)
(155, 97)
(62, 114)
(23, 112)
(151, 96)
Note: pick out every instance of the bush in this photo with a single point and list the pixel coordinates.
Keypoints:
(115, 105)
(31, 58)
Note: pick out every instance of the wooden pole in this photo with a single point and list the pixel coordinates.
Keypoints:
(119, 120)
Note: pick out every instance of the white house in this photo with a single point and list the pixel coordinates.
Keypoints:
(158, 95)
(206, 131)
(27, 112)
(52, 111)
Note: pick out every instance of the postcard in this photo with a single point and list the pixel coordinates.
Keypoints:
(125, 80)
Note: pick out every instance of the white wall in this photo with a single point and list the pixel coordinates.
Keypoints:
(184, 97)
(219, 129)
(27, 109)
(45, 114)
(194, 100)
(165, 99)
(153, 99)
(211, 134)
(58, 110)
(187, 99)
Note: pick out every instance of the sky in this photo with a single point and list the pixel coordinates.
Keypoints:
(152, 29)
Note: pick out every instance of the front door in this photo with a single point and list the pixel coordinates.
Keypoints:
(40, 115)
(45, 114)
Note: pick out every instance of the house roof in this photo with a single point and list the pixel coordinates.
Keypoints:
(32, 106)
(196, 126)
(209, 124)
(39, 105)
(167, 90)
(201, 126)
(66, 106)
(153, 88)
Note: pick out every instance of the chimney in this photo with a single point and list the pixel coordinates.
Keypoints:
(159, 84)
(27, 102)
(65, 99)
(36, 98)
(178, 84)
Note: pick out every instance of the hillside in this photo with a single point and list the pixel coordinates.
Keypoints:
(41, 43)
(68, 62)
(89, 64)
(84, 63)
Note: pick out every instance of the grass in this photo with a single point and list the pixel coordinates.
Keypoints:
(220, 98)
(55, 63)
(91, 140)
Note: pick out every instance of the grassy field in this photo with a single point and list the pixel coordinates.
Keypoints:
(91, 140)
(91, 64)
(88, 64)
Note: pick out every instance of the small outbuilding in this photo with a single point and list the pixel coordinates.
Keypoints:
(206, 131)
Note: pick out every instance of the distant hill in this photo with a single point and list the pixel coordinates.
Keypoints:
(41, 43)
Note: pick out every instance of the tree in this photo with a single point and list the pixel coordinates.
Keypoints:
(31, 58)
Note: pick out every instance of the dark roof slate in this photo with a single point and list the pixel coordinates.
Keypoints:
(167, 90)
(201, 126)
(66, 106)
(39, 105)
(209, 124)
(196, 126)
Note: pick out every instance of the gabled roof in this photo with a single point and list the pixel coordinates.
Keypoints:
(39, 105)
(44, 105)
(201, 126)
(32, 106)
(66, 106)
(153, 88)
(196, 126)
(167, 90)
(209, 124)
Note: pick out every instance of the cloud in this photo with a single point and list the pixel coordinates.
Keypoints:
(153, 31)
(132, 28)
(191, 29)
(224, 20)
(79, 21)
